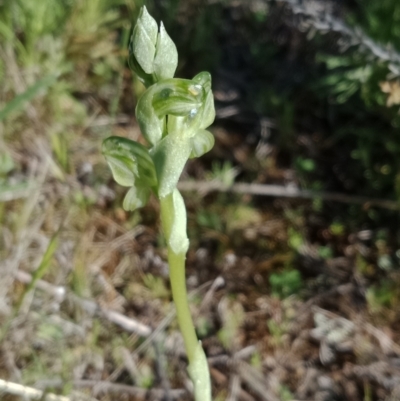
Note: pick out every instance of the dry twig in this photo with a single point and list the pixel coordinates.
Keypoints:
(91, 307)
(105, 386)
(284, 192)
(28, 392)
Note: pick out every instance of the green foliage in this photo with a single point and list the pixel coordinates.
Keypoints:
(223, 172)
(241, 216)
(296, 239)
(6, 164)
(232, 316)
(325, 252)
(382, 295)
(146, 376)
(209, 219)
(256, 361)
(337, 228)
(380, 20)
(286, 283)
(285, 394)
(22, 99)
(203, 326)
(305, 165)
(277, 330)
(59, 144)
(156, 285)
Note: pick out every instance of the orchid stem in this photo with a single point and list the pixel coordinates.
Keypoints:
(198, 367)
(176, 263)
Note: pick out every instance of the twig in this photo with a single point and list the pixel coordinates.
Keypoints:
(105, 386)
(218, 283)
(91, 307)
(234, 388)
(160, 327)
(126, 323)
(255, 381)
(56, 291)
(161, 364)
(28, 392)
(222, 380)
(386, 343)
(284, 192)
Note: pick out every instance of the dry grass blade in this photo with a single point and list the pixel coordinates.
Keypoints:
(20, 100)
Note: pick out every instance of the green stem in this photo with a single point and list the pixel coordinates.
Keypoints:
(178, 282)
(179, 295)
(173, 218)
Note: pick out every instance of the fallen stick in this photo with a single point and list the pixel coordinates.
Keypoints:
(107, 387)
(28, 392)
(283, 192)
(90, 307)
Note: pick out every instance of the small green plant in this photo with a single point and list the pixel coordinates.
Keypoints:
(173, 115)
(286, 283)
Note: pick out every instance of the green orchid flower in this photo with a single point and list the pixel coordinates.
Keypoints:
(173, 115)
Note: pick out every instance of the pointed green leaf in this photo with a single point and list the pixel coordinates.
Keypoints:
(150, 124)
(129, 161)
(146, 79)
(123, 169)
(201, 143)
(143, 41)
(136, 198)
(166, 58)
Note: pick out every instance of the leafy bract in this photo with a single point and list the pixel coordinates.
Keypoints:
(201, 143)
(175, 222)
(166, 58)
(136, 198)
(129, 161)
(143, 42)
